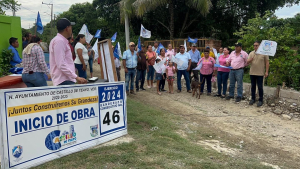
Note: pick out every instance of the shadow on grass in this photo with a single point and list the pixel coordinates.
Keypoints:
(160, 148)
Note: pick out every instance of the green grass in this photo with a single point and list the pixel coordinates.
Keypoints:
(162, 148)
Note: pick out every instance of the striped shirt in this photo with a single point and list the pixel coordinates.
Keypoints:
(35, 61)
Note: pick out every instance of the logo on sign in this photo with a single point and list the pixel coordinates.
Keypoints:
(55, 140)
(94, 130)
(17, 151)
(267, 46)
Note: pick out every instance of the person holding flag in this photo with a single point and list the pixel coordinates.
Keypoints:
(141, 68)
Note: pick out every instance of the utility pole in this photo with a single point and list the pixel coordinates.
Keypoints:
(51, 34)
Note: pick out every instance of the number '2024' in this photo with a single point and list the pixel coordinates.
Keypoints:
(110, 95)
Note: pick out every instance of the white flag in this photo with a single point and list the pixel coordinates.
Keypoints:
(119, 50)
(185, 46)
(84, 30)
(95, 48)
(145, 33)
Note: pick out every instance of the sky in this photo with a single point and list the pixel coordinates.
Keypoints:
(29, 9)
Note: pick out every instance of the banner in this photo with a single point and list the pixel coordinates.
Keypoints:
(267, 47)
(45, 123)
(145, 33)
(98, 33)
(114, 37)
(139, 45)
(221, 66)
(84, 30)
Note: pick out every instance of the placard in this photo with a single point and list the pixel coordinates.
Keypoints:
(46, 123)
(267, 47)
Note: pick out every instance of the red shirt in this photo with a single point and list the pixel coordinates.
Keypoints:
(72, 50)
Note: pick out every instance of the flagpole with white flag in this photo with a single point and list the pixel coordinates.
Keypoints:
(145, 33)
(84, 30)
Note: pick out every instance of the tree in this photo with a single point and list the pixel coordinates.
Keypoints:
(144, 6)
(9, 5)
(285, 65)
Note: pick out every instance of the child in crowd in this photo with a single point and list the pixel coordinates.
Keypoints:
(170, 70)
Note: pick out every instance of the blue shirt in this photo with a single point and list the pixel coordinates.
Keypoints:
(195, 56)
(185, 59)
(24, 44)
(16, 58)
(131, 60)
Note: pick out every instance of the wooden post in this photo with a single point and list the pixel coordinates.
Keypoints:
(100, 61)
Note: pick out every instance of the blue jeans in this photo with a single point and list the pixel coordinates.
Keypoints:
(91, 62)
(81, 73)
(150, 73)
(66, 83)
(36, 79)
(222, 80)
(208, 80)
(236, 76)
(130, 77)
(186, 77)
(140, 75)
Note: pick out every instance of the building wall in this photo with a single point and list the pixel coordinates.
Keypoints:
(10, 26)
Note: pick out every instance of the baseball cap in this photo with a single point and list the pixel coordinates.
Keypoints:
(194, 45)
(207, 47)
(63, 23)
(238, 44)
(131, 43)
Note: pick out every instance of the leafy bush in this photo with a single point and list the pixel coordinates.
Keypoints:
(5, 58)
(284, 66)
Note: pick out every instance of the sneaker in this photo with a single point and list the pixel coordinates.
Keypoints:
(260, 103)
(143, 89)
(217, 95)
(208, 94)
(251, 102)
(222, 97)
(127, 93)
(178, 91)
(163, 90)
(238, 99)
(132, 92)
(229, 97)
(189, 91)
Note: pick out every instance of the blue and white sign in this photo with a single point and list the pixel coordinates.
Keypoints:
(46, 123)
(267, 47)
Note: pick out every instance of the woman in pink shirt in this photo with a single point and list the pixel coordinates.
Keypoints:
(223, 74)
(206, 71)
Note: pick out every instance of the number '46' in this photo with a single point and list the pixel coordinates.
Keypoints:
(115, 117)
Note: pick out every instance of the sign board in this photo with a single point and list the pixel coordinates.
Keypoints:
(267, 47)
(46, 123)
(107, 64)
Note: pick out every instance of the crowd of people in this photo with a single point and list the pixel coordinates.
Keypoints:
(67, 56)
(230, 66)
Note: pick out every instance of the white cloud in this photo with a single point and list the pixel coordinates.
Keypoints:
(30, 8)
(287, 12)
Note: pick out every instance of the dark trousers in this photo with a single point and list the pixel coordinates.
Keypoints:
(118, 74)
(222, 82)
(259, 81)
(141, 74)
(208, 80)
(195, 72)
(162, 82)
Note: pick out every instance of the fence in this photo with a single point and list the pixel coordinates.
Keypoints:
(201, 44)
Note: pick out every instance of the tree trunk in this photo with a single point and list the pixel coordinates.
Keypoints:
(171, 10)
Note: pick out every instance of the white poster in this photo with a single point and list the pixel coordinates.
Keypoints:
(109, 62)
(103, 63)
(267, 47)
(42, 124)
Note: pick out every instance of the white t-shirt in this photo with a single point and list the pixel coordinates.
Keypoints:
(84, 54)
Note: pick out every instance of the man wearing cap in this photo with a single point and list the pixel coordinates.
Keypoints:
(237, 60)
(141, 69)
(62, 67)
(195, 57)
(130, 64)
(258, 70)
(182, 67)
(211, 54)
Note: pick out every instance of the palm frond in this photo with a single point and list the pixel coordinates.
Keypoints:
(203, 6)
(144, 6)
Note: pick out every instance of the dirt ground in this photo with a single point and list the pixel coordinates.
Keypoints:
(236, 129)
